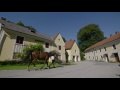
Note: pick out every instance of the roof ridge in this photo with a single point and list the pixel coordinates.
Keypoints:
(107, 40)
(18, 28)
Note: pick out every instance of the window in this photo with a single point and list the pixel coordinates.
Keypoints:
(114, 47)
(100, 50)
(59, 47)
(19, 40)
(47, 45)
(59, 39)
(105, 48)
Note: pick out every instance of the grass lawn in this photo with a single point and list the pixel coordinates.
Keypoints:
(38, 66)
(21, 67)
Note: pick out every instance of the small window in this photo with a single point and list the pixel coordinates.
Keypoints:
(59, 47)
(114, 47)
(100, 50)
(47, 45)
(19, 40)
(59, 39)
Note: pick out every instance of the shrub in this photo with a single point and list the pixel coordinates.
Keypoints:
(10, 62)
(35, 47)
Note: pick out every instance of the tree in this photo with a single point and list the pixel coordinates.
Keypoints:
(88, 36)
(3, 18)
(64, 39)
(20, 23)
(29, 27)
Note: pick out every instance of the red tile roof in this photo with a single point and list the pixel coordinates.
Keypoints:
(112, 38)
(69, 44)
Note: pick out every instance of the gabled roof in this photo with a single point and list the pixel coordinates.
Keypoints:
(69, 44)
(55, 36)
(17, 28)
(110, 39)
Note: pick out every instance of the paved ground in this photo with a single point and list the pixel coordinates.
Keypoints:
(86, 69)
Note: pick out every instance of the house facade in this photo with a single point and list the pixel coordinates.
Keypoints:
(73, 50)
(105, 50)
(14, 38)
(59, 46)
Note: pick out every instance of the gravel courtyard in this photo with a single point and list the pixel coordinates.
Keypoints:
(83, 69)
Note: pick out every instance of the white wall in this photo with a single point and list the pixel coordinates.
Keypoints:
(109, 50)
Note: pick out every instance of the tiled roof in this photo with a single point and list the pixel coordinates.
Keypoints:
(17, 28)
(112, 38)
(69, 44)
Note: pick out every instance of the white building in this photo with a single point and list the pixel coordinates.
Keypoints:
(105, 50)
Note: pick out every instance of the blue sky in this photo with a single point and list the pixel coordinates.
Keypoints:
(66, 23)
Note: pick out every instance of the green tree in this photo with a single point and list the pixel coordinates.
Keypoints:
(29, 27)
(20, 23)
(64, 39)
(88, 36)
(3, 18)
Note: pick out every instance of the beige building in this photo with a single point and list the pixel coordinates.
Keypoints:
(105, 50)
(73, 50)
(14, 38)
(59, 46)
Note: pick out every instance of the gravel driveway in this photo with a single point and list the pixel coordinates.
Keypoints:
(83, 69)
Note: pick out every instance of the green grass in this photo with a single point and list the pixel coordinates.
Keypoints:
(22, 67)
(38, 66)
(111, 61)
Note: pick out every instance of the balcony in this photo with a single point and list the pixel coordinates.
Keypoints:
(18, 48)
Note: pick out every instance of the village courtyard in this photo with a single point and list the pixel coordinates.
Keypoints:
(82, 69)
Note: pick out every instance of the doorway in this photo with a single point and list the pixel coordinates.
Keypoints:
(106, 57)
(116, 57)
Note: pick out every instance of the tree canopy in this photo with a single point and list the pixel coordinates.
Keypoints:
(64, 39)
(20, 23)
(88, 36)
(29, 27)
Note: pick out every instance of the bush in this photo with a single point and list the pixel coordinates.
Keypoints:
(16, 55)
(35, 47)
(82, 56)
(10, 62)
